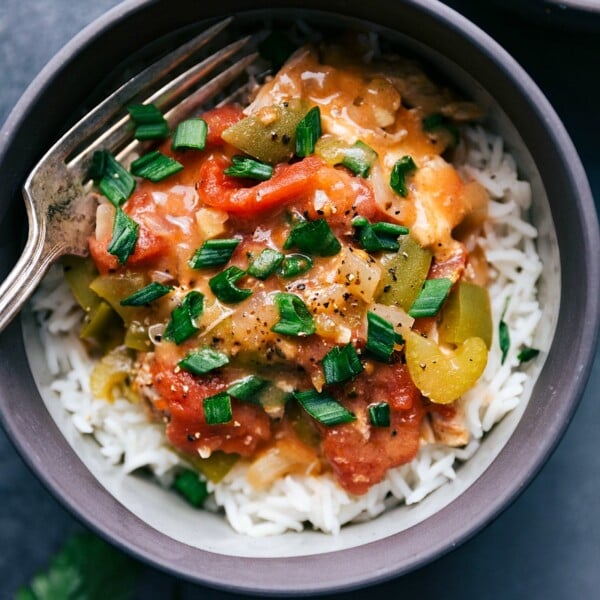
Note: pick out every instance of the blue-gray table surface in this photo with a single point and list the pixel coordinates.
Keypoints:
(547, 544)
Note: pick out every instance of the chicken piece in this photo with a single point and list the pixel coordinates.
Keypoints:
(449, 426)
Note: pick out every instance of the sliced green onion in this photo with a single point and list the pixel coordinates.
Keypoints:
(191, 487)
(341, 364)
(150, 123)
(217, 409)
(181, 326)
(124, 236)
(190, 135)
(112, 179)
(294, 316)
(155, 166)
(438, 121)
(403, 167)
(308, 132)
(265, 263)
(359, 158)
(379, 414)
(313, 237)
(504, 333)
(431, 297)
(526, 354)
(378, 236)
(153, 291)
(248, 388)
(224, 288)
(294, 265)
(249, 168)
(213, 253)
(323, 408)
(381, 337)
(203, 361)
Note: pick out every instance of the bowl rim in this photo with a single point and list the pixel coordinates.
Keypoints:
(294, 576)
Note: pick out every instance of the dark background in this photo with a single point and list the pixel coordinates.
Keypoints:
(547, 544)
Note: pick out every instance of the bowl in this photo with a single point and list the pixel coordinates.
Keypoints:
(137, 515)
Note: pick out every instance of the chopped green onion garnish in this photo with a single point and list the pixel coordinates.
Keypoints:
(359, 159)
(400, 171)
(191, 487)
(155, 166)
(381, 337)
(224, 288)
(190, 135)
(313, 237)
(249, 168)
(265, 263)
(341, 364)
(526, 354)
(181, 326)
(378, 236)
(213, 253)
(308, 132)
(112, 179)
(124, 236)
(431, 297)
(439, 121)
(202, 361)
(379, 414)
(247, 389)
(294, 265)
(294, 316)
(217, 409)
(323, 408)
(153, 291)
(150, 123)
(504, 333)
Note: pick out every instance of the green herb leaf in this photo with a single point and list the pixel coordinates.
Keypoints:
(112, 179)
(249, 168)
(248, 388)
(323, 408)
(150, 123)
(359, 158)
(124, 236)
(378, 236)
(379, 414)
(381, 337)
(217, 409)
(86, 568)
(153, 291)
(213, 253)
(403, 167)
(190, 135)
(265, 263)
(341, 364)
(431, 297)
(314, 238)
(224, 288)
(294, 317)
(436, 121)
(155, 166)
(203, 361)
(504, 334)
(308, 132)
(294, 265)
(189, 485)
(181, 326)
(526, 354)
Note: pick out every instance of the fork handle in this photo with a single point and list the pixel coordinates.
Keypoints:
(33, 264)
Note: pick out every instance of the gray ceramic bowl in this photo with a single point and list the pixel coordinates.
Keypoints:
(140, 517)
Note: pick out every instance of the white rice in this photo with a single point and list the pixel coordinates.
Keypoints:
(128, 440)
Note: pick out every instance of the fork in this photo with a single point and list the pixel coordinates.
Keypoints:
(60, 209)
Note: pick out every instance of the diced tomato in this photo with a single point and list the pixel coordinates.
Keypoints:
(289, 182)
(451, 266)
(218, 120)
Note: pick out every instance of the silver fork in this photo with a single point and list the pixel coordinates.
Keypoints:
(60, 210)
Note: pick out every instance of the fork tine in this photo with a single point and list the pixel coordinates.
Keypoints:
(118, 134)
(107, 109)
